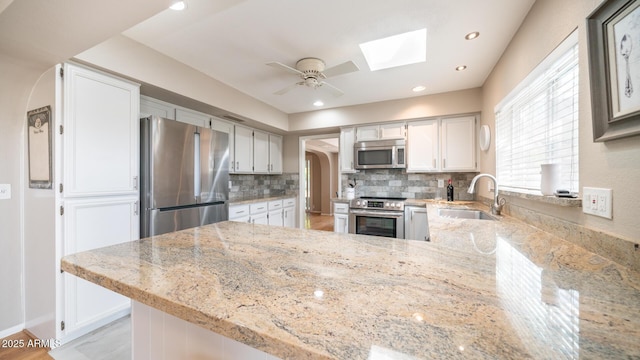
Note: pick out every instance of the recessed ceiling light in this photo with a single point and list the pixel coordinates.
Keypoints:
(397, 50)
(461, 67)
(318, 103)
(419, 88)
(178, 5)
(472, 35)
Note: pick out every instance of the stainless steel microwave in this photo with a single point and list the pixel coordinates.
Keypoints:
(380, 154)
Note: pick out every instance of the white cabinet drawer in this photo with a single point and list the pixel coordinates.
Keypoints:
(341, 208)
(257, 208)
(289, 202)
(236, 211)
(275, 204)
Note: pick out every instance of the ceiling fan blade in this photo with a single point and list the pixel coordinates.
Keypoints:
(288, 88)
(284, 67)
(334, 90)
(340, 69)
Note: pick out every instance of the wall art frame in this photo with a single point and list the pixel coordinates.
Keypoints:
(39, 129)
(613, 37)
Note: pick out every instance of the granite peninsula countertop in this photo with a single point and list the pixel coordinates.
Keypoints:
(479, 290)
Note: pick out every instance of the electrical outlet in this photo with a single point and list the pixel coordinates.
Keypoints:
(597, 201)
(440, 183)
(5, 191)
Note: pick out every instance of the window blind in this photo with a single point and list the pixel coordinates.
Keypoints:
(538, 124)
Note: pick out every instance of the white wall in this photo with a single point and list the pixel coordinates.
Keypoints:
(615, 164)
(455, 102)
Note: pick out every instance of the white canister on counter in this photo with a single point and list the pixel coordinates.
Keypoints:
(550, 179)
(350, 193)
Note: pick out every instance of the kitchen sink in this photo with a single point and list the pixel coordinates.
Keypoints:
(465, 214)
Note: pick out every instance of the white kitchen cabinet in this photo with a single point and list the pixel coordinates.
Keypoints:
(381, 132)
(442, 145)
(259, 213)
(101, 134)
(422, 145)
(240, 213)
(89, 224)
(341, 217)
(97, 202)
(347, 140)
(416, 223)
(154, 107)
(275, 154)
(260, 152)
(227, 128)
(289, 212)
(276, 216)
(243, 146)
(192, 117)
(458, 147)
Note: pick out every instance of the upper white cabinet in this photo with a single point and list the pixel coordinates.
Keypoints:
(442, 145)
(192, 117)
(260, 152)
(381, 132)
(458, 149)
(243, 149)
(275, 154)
(422, 145)
(153, 107)
(347, 140)
(101, 134)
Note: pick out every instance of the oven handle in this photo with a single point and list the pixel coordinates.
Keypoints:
(395, 214)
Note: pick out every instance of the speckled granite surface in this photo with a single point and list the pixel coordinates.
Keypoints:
(480, 290)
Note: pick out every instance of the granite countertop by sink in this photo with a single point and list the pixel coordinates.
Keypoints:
(480, 289)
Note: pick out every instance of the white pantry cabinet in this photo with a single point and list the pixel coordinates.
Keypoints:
(347, 140)
(97, 197)
(89, 224)
(100, 134)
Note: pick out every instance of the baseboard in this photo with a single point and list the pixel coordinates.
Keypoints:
(12, 330)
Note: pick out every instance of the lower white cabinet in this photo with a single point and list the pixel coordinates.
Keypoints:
(274, 212)
(341, 217)
(416, 223)
(276, 217)
(90, 224)
(289, 212)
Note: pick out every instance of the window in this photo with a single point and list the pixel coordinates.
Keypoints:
(537, 123)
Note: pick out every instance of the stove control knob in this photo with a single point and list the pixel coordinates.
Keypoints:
(364, 202)
(396, 205)
(387, 204)
(357, 202)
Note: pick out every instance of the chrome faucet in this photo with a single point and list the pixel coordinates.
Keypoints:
(498, 203)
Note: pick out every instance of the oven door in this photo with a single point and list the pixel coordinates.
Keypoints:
(377, 223)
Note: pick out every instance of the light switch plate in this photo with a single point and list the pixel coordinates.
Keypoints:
(440, 183)
(597, 201)
(5, 191)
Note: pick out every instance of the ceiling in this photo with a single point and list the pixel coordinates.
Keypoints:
(232, 40)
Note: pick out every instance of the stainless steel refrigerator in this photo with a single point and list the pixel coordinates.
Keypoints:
(184, 176)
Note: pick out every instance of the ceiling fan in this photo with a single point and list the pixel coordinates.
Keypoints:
(312, 72)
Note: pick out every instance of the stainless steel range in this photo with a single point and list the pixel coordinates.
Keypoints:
(378, 216)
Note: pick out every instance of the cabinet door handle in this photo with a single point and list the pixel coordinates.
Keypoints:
(135, 208)
(444, 163)
(237, 165)
(135, 182)
(434, 163)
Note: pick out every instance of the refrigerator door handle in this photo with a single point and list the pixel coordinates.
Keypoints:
(196, 167)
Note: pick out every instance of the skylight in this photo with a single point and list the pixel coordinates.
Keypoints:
(396, 50)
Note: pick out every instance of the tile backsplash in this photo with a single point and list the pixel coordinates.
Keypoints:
(257, 185)
(399, 183)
